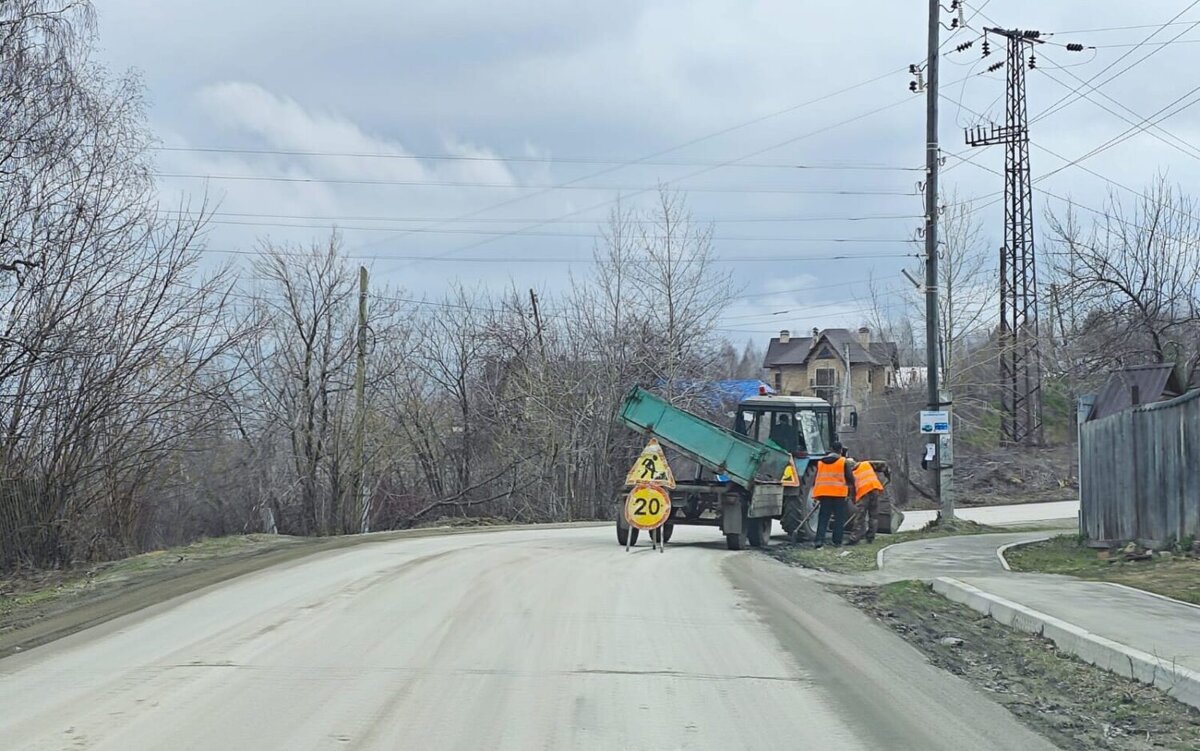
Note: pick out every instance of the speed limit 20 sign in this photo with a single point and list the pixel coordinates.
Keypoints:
(647, 507)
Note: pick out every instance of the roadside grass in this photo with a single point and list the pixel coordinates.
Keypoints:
(22, 589)
(1176, 575)
(861, 557)
(1076, 705)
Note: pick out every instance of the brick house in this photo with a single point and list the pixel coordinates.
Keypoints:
(817, 365)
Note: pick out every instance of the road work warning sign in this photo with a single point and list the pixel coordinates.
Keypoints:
(647, 507)
(651, 468)
(791, 479)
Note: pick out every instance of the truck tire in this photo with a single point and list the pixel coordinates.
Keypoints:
(793, 514)
(626, 535)
(759, 532)
(668, 530)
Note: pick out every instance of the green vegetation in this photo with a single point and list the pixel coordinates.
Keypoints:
(861, 557)
(1176, 574)
(1077, 706)
(23, 589)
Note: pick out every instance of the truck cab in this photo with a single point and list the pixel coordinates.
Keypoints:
(801, 425)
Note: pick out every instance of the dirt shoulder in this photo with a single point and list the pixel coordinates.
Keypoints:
(1076, 705)
(39, 607)
(851, 559)
(1171, 573)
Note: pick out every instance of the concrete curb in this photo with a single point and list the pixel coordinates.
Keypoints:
(879, 555)
(1000, 551)
(1179, 682)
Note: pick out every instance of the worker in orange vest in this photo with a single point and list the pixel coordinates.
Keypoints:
(834, 484)
(867, 491)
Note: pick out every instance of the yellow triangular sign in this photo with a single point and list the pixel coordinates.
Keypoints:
(651, 468)
(790, 477)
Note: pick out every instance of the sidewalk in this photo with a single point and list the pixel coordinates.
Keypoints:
(1017, 513)
(1144, 636)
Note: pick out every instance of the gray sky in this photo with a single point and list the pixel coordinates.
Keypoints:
(616, 82)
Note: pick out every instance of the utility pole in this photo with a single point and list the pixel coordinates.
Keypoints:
(360, 409)
(1018, 340)
(932, 157)
(537, 322)
(847, 395)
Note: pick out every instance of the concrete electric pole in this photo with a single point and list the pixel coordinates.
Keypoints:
(932, 157)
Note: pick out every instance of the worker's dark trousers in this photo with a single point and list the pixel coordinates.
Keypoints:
(837, 508)
(866, 517)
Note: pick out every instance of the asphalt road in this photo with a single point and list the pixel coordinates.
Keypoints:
(542, 639)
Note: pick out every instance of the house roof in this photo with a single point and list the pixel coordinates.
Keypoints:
(799, 348)
(1154, 383)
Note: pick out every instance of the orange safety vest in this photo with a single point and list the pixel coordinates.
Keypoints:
(865, 480)
(831, 479)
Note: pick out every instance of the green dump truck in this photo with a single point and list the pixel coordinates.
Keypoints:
(737, 483)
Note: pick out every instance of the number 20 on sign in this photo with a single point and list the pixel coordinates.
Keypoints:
(647, 507)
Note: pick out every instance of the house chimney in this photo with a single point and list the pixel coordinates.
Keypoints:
(864, 336)
(785, 336)
(816, 333)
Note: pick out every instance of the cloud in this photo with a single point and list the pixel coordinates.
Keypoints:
(619, 80)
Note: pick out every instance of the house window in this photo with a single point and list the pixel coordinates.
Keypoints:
(779, 381)
(826, 377)
(870, 376)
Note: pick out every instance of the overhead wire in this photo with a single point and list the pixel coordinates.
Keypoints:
(791, 258)
(833, 166)
(691, 142)
(1067, 99)
(200, 214)
(511, 186)
(1068, 163)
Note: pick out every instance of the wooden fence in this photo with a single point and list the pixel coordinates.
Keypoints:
(1139, 474)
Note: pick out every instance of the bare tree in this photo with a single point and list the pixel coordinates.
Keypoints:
(1128, 286)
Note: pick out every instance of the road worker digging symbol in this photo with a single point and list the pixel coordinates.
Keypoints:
(790, 478)
(651, 468)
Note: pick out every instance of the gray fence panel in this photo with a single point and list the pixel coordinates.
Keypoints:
(1140, 473)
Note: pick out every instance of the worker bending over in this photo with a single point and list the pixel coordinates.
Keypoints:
(868, 490)
(832, 487)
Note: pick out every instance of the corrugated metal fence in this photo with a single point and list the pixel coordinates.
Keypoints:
(1140, 473)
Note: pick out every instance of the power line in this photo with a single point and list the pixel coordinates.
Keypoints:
(1125, 28)
(580, 235)
(531, 159)
(1069, 163)
(1141, 127)
(1151, 44)
(696, 173)
(376, 218)
(685, 144)
(587, 260)
(1068, 98)
(508, 186)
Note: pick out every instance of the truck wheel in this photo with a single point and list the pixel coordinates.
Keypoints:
(759, 532)
(668, 529)
(793, 514)
(627, 534)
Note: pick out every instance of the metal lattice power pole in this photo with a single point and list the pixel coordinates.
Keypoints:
(1020, 361)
